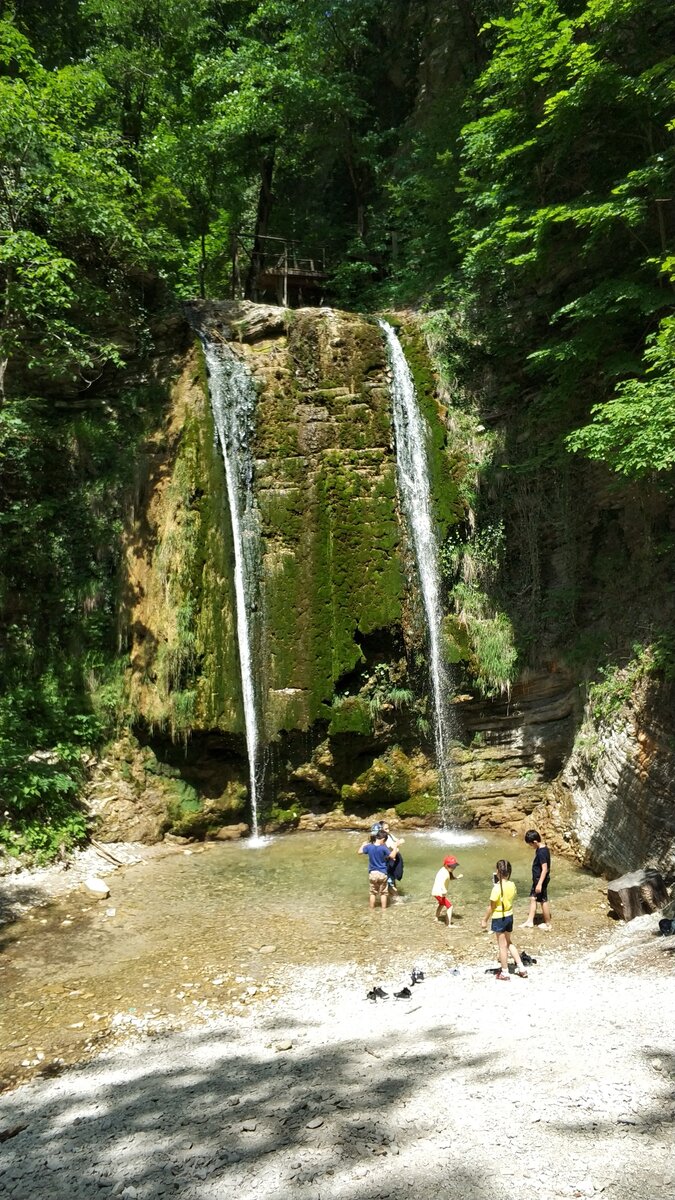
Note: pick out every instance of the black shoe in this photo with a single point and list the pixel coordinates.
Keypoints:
(527, 959)
(382, 995)
(493, 970)
(372, 995)
(404, 994)
(416, 976)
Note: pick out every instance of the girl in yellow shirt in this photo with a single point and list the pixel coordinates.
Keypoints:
(500, 909)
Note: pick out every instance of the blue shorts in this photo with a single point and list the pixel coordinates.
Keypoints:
(502, 924)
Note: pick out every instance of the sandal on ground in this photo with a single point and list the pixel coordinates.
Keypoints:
(522, 972)
(503, 977)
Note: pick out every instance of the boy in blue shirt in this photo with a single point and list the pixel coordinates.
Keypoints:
(379, 858)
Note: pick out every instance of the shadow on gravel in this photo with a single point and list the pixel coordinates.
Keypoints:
(643, 1179)
(228, 1120)
(15, 899)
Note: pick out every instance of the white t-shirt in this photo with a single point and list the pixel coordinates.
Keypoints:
(441, 881)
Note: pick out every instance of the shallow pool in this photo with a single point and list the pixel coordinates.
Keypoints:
(197, 931)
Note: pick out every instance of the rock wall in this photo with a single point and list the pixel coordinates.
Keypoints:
(515, 747)
(325, 486)
(614, 803)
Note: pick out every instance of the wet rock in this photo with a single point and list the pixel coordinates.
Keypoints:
(231, 833)
(636, 893)
(283, 1045)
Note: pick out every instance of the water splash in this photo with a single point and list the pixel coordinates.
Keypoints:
(415, 491)
(233, 399)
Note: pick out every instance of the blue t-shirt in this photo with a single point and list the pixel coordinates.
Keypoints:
(378, 857)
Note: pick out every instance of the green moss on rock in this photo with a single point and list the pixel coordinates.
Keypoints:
(420, 806)
(385, 783)
(351, 714)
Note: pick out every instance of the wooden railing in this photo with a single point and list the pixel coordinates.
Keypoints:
(263, 264)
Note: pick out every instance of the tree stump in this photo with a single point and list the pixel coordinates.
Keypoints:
(636, 893)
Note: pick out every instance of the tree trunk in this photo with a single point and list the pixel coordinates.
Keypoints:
(262, 218)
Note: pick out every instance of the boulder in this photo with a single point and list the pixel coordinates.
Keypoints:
(230, 833)
(96, 887)
(636, 893)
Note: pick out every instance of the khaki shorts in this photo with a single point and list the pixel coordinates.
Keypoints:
(378, 883)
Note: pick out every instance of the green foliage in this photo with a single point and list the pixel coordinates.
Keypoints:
(62, 490)
(562, 233)
(493, 654)
(616, 686)
(635, 431)
(66, 209)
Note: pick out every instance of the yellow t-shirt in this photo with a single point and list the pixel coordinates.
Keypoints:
(509, 891)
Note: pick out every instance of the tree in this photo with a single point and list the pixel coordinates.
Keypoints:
(565, 171)
(65, 209)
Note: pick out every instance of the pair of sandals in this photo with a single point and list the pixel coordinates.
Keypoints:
(504, 977)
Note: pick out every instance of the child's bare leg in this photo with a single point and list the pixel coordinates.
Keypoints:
(529, 923)
(383, 899)
(546, 912)
(514, 953)
(448, 916)
(503, 951)
(371, 900)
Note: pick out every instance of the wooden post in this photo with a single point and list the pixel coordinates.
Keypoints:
(285, 275)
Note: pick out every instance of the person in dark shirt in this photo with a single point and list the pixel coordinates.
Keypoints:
(541, 873)
(379, 859)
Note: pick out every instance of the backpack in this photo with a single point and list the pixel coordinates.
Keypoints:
(396, 869)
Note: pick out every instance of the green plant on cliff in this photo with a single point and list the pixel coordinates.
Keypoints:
(617, 685)
(493, 655)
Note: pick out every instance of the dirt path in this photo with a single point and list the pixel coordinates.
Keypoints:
(559, 1085)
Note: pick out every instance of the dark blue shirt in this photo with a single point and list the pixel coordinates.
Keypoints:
(378, 857)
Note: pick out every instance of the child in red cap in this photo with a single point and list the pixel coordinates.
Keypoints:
(440, 889)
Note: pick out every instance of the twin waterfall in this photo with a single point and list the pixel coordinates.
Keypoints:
(233, 398)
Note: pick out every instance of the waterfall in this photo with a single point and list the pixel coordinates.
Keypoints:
(233, 399)
(415, 491)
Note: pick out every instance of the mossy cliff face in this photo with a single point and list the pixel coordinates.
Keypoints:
(326, 491)
(325, 488)
(179, 557)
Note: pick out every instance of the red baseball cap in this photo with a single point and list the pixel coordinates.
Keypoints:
(450, 862)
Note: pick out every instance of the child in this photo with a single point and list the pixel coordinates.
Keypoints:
(500, 909)
(541, 873)
(379, 858)
(440, 889)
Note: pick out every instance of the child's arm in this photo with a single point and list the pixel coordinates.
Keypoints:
(488, 913)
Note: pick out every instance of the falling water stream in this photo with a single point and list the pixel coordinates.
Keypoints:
(413, 475)
(233, 399)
